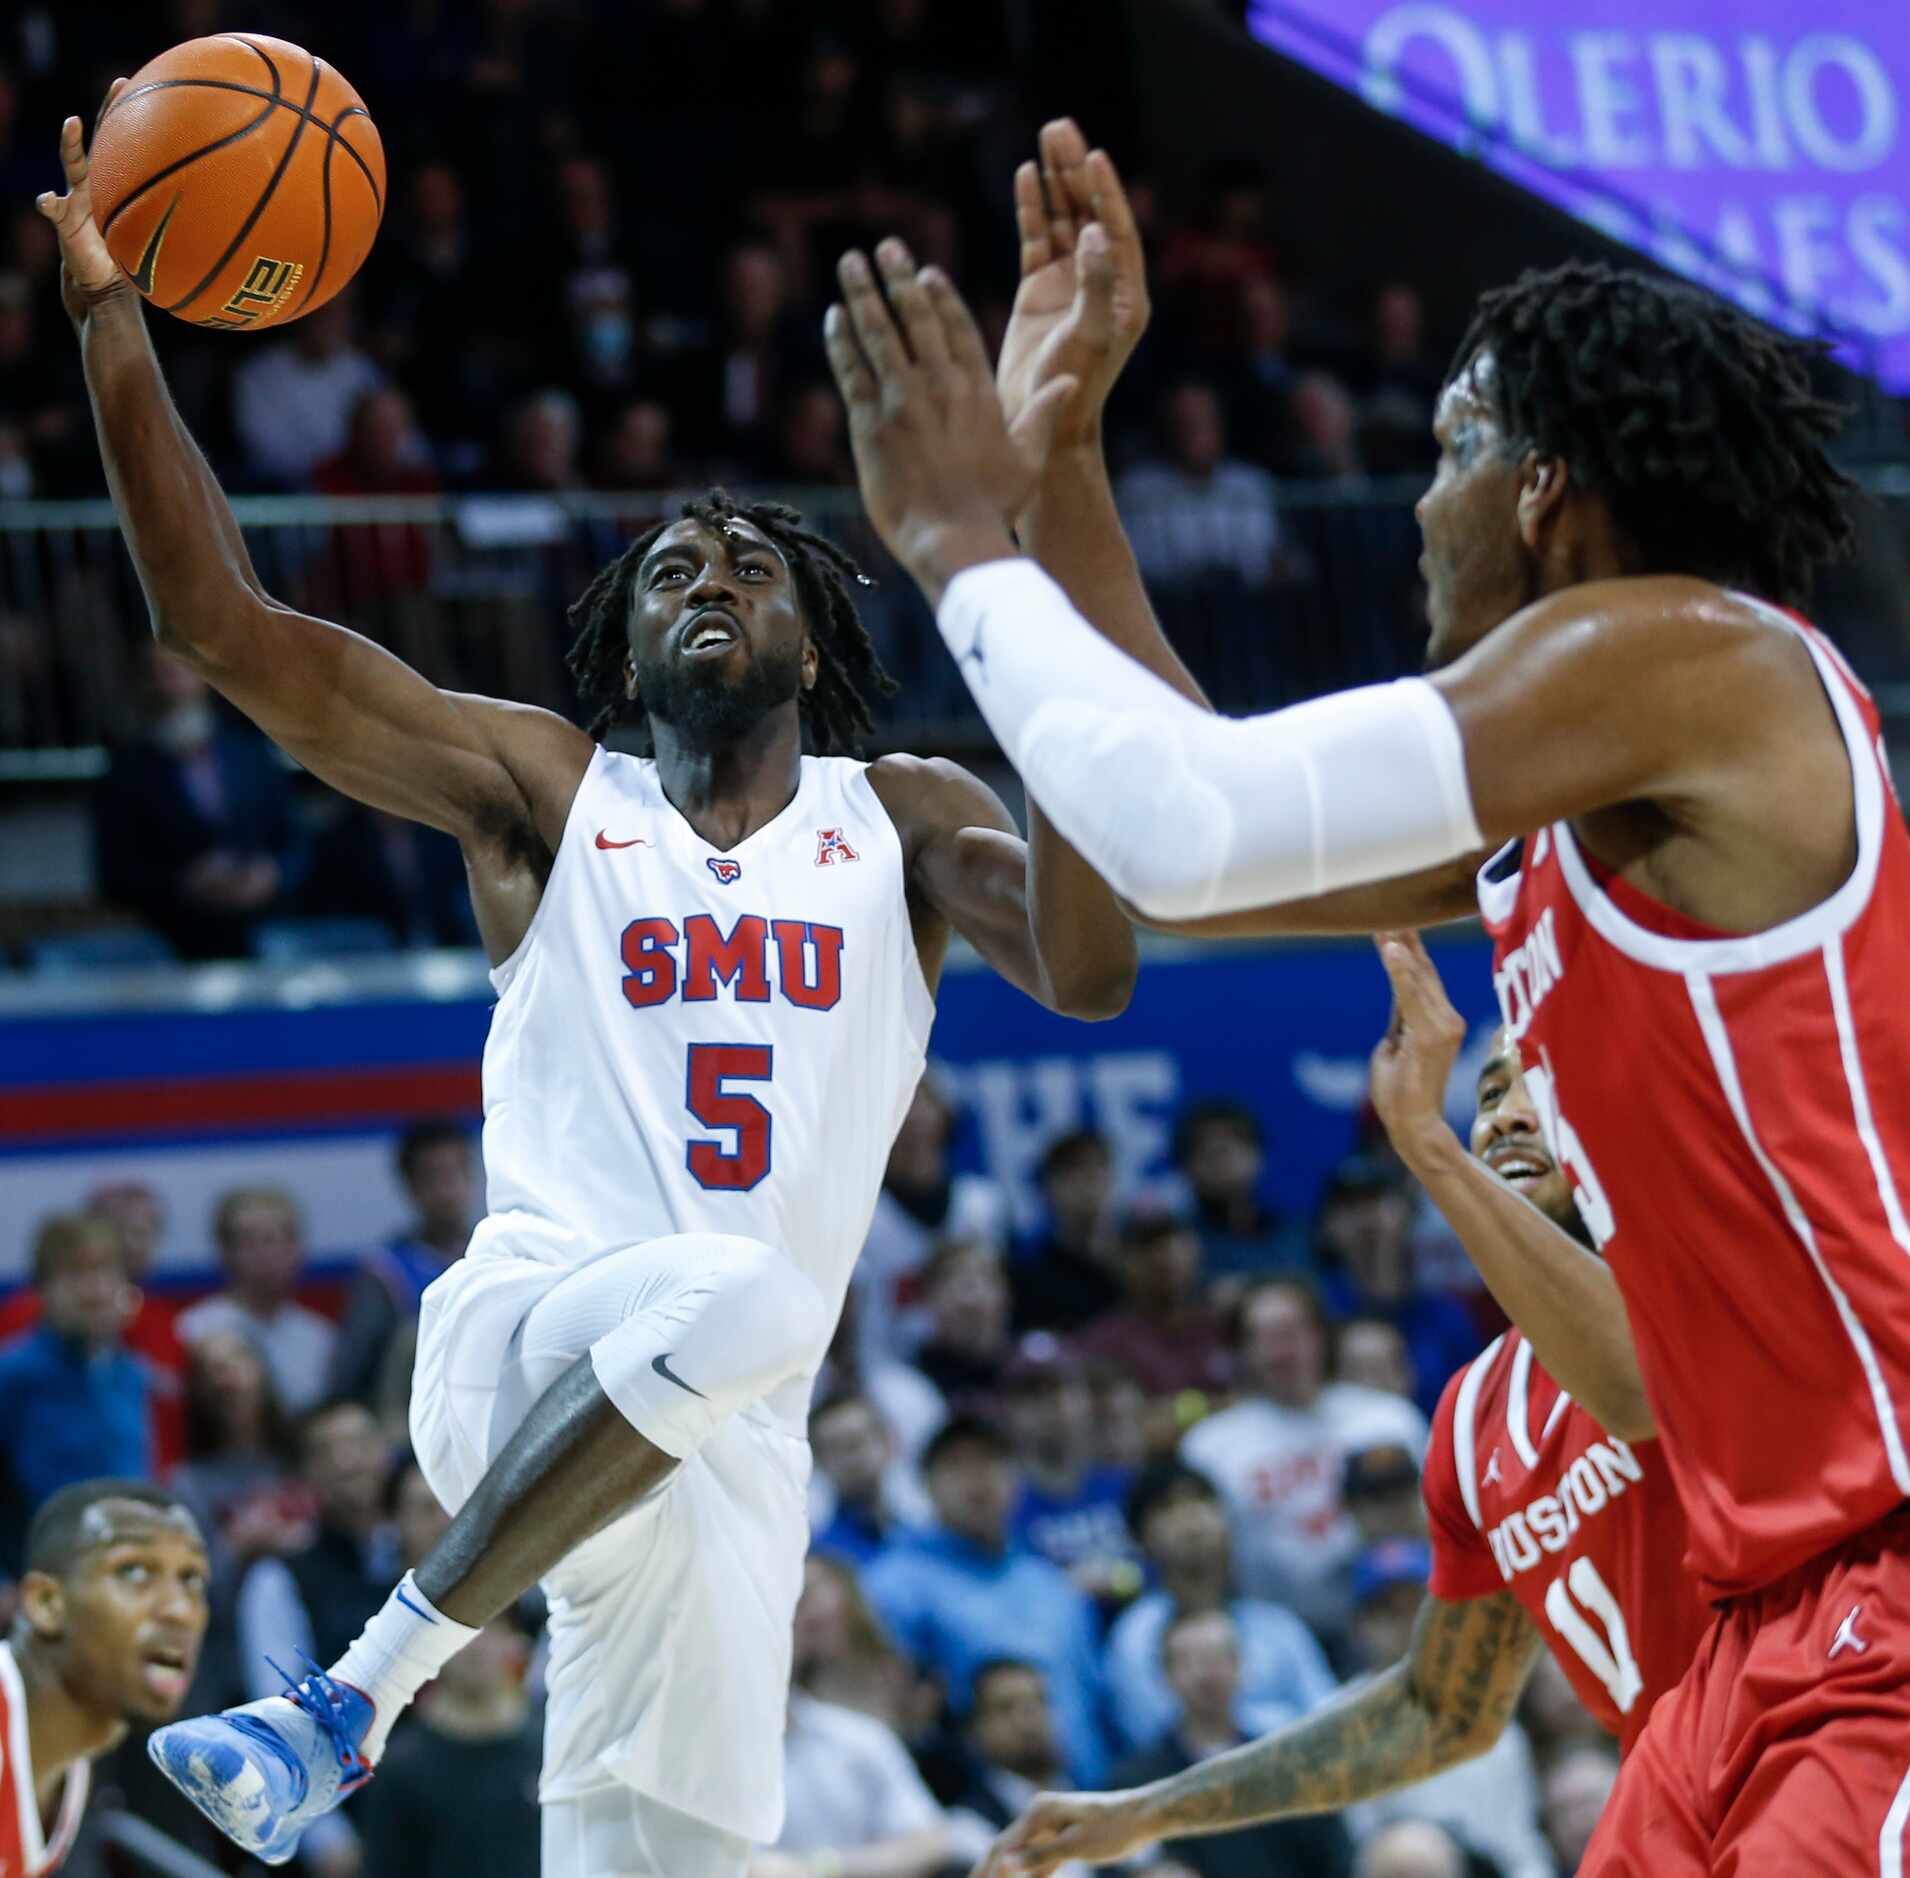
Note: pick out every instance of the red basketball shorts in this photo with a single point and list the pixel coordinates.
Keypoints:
(1785, 1751)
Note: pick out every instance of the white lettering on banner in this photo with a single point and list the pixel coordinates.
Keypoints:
(1690, 78)
(1605, 97)
(1877, 126)
(1872, 220)
(1673, 97)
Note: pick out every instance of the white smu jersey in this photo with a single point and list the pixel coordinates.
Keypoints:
(694, 1040)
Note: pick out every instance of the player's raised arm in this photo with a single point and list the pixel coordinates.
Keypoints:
(1446, 1702)
(1622, 690)
(1562, 1296)
(345, 708)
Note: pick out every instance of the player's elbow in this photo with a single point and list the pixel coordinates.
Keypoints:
(1094, 990)
(1629, 1417)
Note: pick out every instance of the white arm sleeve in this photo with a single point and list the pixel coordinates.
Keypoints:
(1184, 813)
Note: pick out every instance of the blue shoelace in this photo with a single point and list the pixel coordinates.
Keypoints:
(322, 1699)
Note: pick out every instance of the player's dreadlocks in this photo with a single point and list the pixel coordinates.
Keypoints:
(1696, 423)
(835, 710)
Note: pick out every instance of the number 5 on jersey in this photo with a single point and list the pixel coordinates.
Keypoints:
(712, 1067)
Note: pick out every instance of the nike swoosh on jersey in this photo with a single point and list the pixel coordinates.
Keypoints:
(663, 1369)
(635, 841)
(149, 260)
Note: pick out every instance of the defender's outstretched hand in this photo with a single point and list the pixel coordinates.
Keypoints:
(941, 470)
(1082, 304)
(1413, 1062)
(88, 269)
(1055, 1828)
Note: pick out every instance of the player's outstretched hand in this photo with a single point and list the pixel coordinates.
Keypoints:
(1058, 1827)
(1413, 1063)
(1082, 304)
(940, 468)
(87, 269)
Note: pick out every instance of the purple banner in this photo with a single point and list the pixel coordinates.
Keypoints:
(1761, 146)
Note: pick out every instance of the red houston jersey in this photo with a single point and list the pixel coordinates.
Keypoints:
(1526, 1493)
(25, 1849)
(1734, 1114)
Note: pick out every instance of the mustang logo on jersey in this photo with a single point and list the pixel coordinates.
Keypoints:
(726, 872)
(663, 962)
(1547, 1524)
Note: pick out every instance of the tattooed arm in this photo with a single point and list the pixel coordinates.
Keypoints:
(1446, 1702)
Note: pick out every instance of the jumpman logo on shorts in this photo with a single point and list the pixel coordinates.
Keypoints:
(1847, 1637)
(663, 1369)
(1492, 1470)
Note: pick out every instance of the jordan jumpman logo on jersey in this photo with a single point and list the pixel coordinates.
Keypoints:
(1847, 1637)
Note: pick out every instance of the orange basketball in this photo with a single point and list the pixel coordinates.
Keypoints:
(238, 180)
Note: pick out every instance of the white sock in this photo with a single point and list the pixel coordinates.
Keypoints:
(396, 1654)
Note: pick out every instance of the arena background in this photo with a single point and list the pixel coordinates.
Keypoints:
(598, 286)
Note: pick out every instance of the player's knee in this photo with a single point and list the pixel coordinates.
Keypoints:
(785, 1312)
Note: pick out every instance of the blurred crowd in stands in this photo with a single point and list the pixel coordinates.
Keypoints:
(1088, 1505)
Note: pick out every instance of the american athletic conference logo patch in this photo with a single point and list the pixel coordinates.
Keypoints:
(726, 872)
(831, 848)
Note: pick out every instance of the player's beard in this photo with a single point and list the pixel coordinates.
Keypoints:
(705, 706)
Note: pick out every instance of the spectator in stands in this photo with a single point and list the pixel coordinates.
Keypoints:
(1013, 1750)
(1123, 1436)
(1071, 1277)
(960, 1593)
(1224, 243)
(922, 1203)
(194, 827)
(1577, 1786)
(1277, 1455)
(384, 455)
(760, 351)
(317, 1598)
(1069, 1510)
(292, 400)
(1326, 430)
(636, 451)
(371, 1355)
(812, 441)
(1381, 1490)
(261, 1238)
(1177, 1515)
(968, 1344)
(457, 1792)
(1167, 1334)
(139, 1213)
(1363, 1238)
(1398, 382)
(1193, 512)
(43, 413)
(377, 574)
(1372, 1351)
(855, 1453)
(853, 1794)
(426, 279)
(1200, 1656)
(1489, 1804)
(909, 1404)
(541, 439)
(236, 1479)
(1220, 1151)
(1415, 1848)
(370, 865)
(841, 1653)
(75, 1403)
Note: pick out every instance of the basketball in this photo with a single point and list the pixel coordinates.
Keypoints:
(238, 180)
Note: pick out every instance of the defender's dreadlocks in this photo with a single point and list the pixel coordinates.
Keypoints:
(835, 710)
(1696, 423)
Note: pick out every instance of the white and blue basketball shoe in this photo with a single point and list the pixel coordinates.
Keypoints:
(264, 1772)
